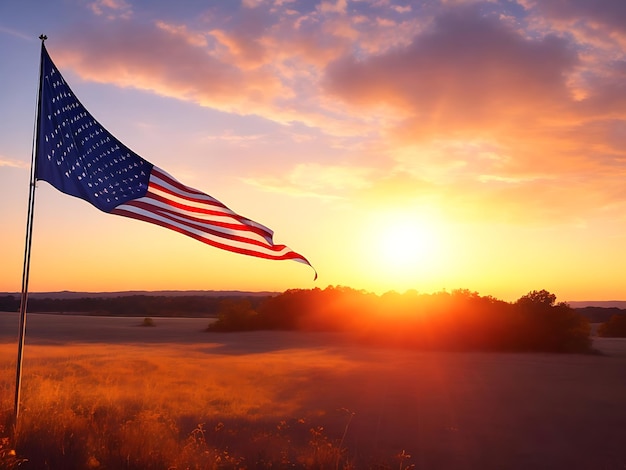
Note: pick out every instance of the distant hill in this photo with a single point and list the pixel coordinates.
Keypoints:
(600, 314)
(599, 311)
(621, 304)
(160, 293)
(133, 303)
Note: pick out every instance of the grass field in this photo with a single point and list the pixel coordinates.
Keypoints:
(107, 393)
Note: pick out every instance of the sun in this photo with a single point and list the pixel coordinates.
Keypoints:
(406, 242)
(404, 248)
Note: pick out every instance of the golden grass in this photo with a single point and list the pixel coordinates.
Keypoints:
(106, 405)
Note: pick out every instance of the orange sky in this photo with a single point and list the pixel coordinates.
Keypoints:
(397, 145)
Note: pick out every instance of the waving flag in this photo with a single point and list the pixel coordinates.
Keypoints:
(79, 157)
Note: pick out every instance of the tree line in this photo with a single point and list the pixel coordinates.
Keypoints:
(129, 305)
(456, 319)
(460, 319)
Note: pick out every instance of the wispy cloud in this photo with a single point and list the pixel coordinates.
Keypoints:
(17, 34)
(315, 180)
(8, 162)
(111, 9)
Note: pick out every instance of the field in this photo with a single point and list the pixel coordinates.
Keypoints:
(104, 392)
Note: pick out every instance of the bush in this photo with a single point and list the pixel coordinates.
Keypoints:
(554, 328)
(614, 328)
(234, 315)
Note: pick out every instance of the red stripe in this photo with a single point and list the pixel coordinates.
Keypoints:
(230, 213)
(290, 255)
(164, 210)
(177, 184)
(202, 226)
(211, 202)
(199, 210)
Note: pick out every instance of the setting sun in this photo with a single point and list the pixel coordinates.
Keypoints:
(404, 246)
(406, 242)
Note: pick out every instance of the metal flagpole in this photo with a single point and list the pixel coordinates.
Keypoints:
(27, 247)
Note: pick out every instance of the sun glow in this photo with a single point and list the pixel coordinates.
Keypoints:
(406, 242)
(405, 247)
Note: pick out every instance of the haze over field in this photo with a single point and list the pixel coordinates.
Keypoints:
(396, 144)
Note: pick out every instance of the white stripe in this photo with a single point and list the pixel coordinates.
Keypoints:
(206, 220)
(154, 178)
(226, 218)
(181, 200)
(224, 241)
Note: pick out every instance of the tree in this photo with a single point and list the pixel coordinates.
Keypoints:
(234, 315)
(615, 327)
(548, 326)
(541, 298)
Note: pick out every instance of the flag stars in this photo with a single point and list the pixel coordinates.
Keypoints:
(90, 162)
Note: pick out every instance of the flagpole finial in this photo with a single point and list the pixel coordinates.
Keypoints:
(43, 37)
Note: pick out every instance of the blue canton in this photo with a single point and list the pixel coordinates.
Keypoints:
(76, 155)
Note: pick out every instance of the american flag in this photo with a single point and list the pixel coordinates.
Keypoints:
(79, 157)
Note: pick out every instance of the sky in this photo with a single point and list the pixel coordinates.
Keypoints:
(427, 145)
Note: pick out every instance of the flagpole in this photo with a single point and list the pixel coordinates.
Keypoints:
(27, 248)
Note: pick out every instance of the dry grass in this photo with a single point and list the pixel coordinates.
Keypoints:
(168, 406)
(297, 400)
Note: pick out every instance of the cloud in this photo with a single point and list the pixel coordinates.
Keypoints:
(469, 72)
(166, 61)
(195, 39)
(338, 6)
(237, 69)
(8, 162)
(111, 9)
(15, 33)
(243, 141)
(603, 13)
(490, 116)
(251, 3)
(265, 60)
(243, 37)
(316, 180)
